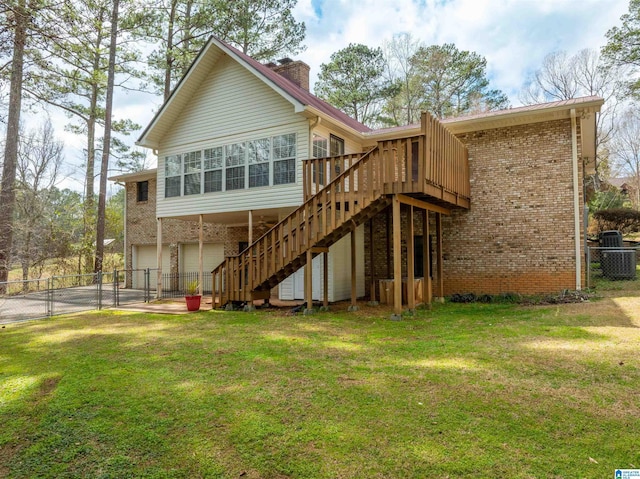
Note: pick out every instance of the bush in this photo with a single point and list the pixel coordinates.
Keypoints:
(626, 220)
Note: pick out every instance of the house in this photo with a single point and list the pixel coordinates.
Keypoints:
(257, 178)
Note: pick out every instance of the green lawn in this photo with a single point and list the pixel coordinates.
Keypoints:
(462, 391)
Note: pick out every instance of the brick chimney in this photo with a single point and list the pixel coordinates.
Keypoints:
(295, 71)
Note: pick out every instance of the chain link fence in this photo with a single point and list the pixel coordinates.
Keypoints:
(42, 298)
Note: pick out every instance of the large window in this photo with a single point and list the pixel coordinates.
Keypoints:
(284, 159)
(172, 176)
(235, 158)
(213, 169)
(259, 155)
(192, 172)
(248, 164)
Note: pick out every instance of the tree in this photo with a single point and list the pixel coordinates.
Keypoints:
(72, 77)
(454, 82)
(18, 16)
(114, 219)
(39, 159)
(563, 77)
(623, 44)
(106, 149)
(625, 151)
(353, 81)
(262, 29)
(403, 107)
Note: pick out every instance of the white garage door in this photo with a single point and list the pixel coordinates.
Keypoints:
(145, 256)
(213, 255)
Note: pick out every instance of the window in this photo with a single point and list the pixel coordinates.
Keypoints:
(213, 169)
(172, 176)
(143, 191)
(320, 150)
(284, 159)
(336, 146)
(248, 164)
(320, 147)
(259, 153)
(192, 173)
(234, 156)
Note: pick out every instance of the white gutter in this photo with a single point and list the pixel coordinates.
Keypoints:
(576, 199)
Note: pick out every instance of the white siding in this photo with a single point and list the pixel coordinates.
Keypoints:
(232, 105)
(340, 267)
(339, 272)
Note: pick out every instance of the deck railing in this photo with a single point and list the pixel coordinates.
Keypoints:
(434, 163)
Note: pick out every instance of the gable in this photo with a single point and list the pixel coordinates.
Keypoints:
(229, 100)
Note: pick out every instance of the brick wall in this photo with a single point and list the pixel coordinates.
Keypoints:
(518, 235)
(142, 228)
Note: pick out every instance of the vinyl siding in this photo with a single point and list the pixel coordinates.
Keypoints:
(230, 106)
(339, 273)
(340, 267)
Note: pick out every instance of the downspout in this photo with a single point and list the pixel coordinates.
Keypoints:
(576, 199)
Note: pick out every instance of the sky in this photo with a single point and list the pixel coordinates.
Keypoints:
(513, 35)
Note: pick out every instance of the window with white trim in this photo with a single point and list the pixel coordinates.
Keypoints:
(320, 146)
(172, 175)
(259, 155)
(192, 164)
(284, 159)
(235, 159)
(248, 164)
(213, 169)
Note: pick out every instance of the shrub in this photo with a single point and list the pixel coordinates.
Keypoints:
(626, 220)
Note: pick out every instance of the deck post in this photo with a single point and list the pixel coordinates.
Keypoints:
(308, 282)
(411, 291)
(354, 305)
(397, 259)
(372, 288)
(325, 280)
(440, 275)
(426, 260)
(250, 235)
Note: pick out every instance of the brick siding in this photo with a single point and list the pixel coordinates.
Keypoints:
(518, 235)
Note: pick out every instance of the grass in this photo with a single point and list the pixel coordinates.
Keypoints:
(464, 390)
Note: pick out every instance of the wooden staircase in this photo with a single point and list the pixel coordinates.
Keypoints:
(341, 193)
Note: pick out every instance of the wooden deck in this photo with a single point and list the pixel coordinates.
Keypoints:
(429, 171)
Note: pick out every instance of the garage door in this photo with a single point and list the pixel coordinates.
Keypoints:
(145, 256)
(213, 255)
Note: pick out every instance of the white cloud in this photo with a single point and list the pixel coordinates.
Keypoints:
(513, 35)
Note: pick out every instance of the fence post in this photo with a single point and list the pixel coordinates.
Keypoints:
(588, 266)
(116, 289)
(99, 285)
(147, 285)
(49, 296)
